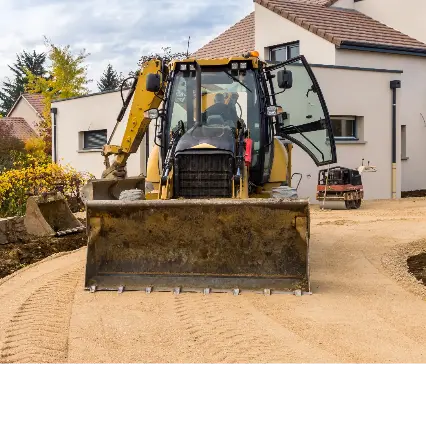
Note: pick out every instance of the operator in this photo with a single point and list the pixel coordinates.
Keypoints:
(227, 112)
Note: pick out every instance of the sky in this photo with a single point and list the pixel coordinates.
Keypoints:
(116, 32)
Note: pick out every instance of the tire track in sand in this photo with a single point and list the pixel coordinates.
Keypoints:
(225, 329)
(38, 330)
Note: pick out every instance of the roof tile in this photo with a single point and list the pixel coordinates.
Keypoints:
(20, 129)
(333, 24)
(35, 100)
(234, 41)
(338, 25)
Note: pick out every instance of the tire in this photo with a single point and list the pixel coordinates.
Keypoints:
(349, 204)
(132, 195)
(357, 204)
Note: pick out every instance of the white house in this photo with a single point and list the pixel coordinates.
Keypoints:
(83, 124)
(358, 50)
(355, 52)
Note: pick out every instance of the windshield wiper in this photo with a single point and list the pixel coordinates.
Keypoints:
(236, 79)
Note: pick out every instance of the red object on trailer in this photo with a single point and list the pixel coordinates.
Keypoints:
(340, 184)
(247, 155)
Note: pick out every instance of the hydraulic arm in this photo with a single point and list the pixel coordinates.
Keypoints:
(137, 123)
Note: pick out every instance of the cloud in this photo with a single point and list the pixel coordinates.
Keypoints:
(111, 31)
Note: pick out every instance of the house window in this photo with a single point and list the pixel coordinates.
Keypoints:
(94, 139)
(284, 52)
(344, 127)
(404, 143)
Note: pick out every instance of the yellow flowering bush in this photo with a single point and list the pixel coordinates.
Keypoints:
(33, 177)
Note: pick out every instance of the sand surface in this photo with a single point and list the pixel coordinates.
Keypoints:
(366, 308)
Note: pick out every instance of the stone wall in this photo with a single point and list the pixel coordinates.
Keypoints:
(12, 230)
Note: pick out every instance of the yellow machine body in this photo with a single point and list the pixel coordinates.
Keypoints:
(250, 240)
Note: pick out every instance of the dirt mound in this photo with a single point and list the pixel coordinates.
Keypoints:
(415, 193)
(14, 256)
(417, 266)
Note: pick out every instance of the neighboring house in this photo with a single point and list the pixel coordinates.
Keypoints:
(19, 128)
(83, 126)
(354, 57)
(25, 115)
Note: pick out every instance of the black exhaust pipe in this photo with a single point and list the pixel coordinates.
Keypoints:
(198, 95)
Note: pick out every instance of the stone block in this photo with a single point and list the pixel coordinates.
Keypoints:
(12, 230)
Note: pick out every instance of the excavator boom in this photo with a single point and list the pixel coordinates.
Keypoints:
(137, 124)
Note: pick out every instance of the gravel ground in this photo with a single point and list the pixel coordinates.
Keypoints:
(366, 307)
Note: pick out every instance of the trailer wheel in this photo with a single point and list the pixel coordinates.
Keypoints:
(357, 203)
(132, 195)
(349, 204)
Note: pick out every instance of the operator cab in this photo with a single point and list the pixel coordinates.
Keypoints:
(209, 102)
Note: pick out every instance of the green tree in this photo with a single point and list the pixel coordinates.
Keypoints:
(12, 89)
(109, 80)
(166, 55)
(65, 77)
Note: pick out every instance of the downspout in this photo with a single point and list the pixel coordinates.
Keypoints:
(54, 140)
(394, 84)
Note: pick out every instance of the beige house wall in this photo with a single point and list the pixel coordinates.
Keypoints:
(272, 29)
(346, 4)
(407, 16)
(411, 103)
(25, 110)
(364, 94)
(94, 112)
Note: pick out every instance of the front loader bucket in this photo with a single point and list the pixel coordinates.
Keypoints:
(50, 215)
(198, 245)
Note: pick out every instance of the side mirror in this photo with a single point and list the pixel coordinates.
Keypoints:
(285, 79)
(153, 82)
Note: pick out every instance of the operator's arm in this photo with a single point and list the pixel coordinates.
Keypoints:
(137, 125)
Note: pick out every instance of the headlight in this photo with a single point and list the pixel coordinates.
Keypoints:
(183, 67)
(152, 114)
(234, 65)
(243, 65)
(272, 111)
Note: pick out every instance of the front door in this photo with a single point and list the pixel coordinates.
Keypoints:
(305, 120)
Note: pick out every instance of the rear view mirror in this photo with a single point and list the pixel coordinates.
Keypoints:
(153, 83)
(285, 79)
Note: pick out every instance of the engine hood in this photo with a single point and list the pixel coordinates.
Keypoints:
(207, 137)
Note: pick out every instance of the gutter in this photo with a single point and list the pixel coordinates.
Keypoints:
(54, 111)
(382, 48)
(394, 84)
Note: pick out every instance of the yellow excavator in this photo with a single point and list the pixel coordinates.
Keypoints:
(216, 211)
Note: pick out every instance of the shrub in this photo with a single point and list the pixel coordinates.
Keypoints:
(32, 177)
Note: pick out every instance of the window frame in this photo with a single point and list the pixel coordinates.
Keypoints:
(342, 118)
(287, 47)
(84, 135)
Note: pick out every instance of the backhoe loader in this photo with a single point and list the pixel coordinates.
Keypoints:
(213, 213)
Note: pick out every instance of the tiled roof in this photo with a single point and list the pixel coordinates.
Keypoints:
(336, 25)
(339, 25)
(316, 2)
(19, 127)
(35, 100)
(234, 41)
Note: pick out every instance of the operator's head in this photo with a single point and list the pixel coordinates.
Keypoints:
(219, 98)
